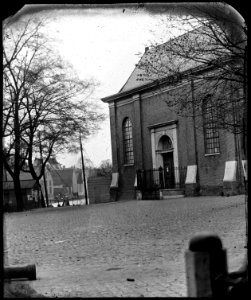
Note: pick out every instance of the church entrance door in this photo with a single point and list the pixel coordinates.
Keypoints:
(168, 165)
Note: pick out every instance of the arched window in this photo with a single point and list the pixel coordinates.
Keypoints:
(211, 133)
(128, 142)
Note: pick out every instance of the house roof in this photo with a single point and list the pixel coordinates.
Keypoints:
(25, 184)
(26, 181)
(23, 176)
(53, 161)
(62, 177)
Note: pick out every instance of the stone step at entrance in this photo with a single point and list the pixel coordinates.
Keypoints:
(172, 193)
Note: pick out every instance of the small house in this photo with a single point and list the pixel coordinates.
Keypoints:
(31, 192)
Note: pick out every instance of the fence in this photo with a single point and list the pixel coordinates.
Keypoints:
(156, 179)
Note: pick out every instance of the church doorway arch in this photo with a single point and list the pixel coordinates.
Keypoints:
(166, 151)
(164, 139)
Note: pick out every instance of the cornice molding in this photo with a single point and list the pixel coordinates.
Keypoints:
(154, 84)
(154, 126)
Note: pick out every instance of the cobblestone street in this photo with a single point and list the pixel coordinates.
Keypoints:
(131, 248)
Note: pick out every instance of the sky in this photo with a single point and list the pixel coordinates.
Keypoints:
(102, 44)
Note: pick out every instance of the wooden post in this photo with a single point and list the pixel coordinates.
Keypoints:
(45, 183)
(20, 271)
(83, 170)
(205, 262)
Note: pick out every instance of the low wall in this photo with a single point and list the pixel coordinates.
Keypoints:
(99, 189)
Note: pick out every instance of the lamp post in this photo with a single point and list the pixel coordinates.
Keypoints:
(83, 169)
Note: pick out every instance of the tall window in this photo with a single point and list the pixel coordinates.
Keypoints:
(128, 142)
(211, 133)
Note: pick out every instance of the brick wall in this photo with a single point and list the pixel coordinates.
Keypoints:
(147, 109)
(99, 189)
(126, 182)
(127, 172)
(155, 110)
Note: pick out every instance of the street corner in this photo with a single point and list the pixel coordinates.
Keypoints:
(17, 289)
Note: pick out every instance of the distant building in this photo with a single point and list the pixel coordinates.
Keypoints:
(64, 181)
(60, 181)
(31, 192)
(52, 162)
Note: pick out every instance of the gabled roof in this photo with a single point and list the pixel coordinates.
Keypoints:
(26, 181)
(62, 177)
(23, 176)
(142, 78)
(53, 161)
(167, 63)
(25, 184)
(134, 79)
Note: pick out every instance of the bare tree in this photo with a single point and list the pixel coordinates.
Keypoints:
(210, 57)
(45, 104)
(105, 168)
(208, 65)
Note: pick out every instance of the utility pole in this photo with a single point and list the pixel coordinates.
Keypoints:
(244, 138)
(45, 183)
(83, 169)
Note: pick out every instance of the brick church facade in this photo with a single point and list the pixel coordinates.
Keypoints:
(155, 150)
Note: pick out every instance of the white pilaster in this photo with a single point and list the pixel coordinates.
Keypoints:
(191, 174)
(153, 148)
(230, 171)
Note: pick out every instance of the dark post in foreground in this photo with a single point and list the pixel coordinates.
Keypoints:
(206, 261)
(20, 271)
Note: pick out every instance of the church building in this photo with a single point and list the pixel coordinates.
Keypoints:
(158, 153)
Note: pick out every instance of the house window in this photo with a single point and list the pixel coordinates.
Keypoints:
(128, 142)
(211, 133)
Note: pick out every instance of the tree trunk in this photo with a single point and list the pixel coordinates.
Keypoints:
(43, 204)
(45, 191)
(42, 201)
(18, 193)
(16, 177)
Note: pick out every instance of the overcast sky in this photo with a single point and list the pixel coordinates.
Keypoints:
(101, 43)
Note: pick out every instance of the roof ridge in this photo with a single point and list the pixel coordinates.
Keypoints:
(179, 36)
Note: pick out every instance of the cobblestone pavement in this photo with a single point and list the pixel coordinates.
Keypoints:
(132, 248)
